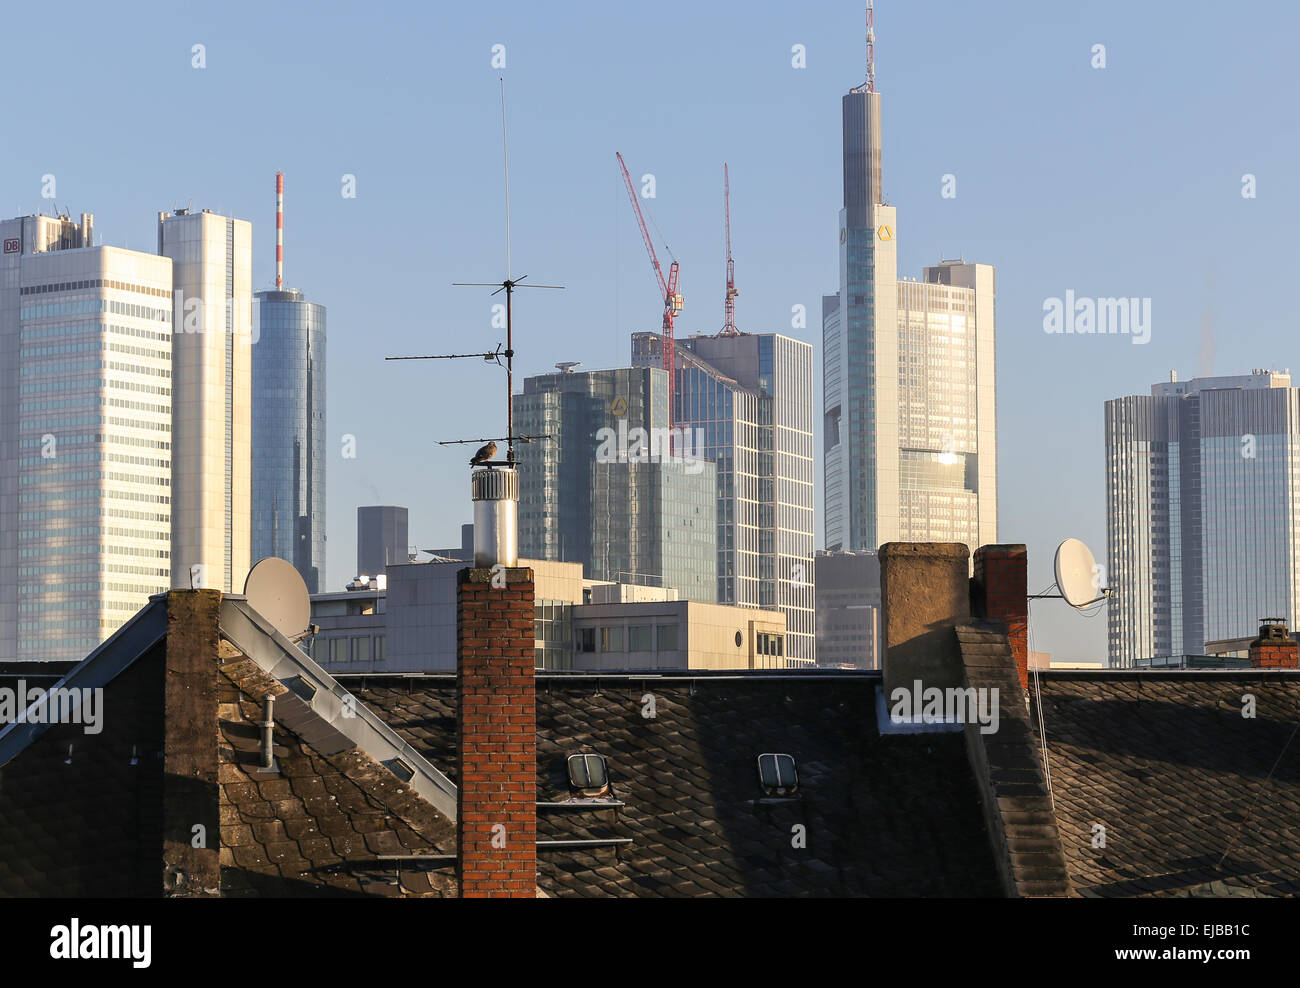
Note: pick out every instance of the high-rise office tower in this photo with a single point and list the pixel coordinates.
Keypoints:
(85, 436)
(748, 397)
(909, 399)
(848, 609)
(212, 262)
(610, 489)
(288, 425)
(381, 538)
(1202, 513)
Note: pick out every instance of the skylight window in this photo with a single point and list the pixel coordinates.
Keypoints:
(776, 773)
(587, 774)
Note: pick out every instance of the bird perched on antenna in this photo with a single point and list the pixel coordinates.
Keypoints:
(484, 454)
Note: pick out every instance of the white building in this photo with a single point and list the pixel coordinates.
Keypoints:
(85, 436)
(212, 258)
(408, 624)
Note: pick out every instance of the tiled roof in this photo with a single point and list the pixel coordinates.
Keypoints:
(88, 822)
(881, 816)
(331, 820)
(1194, 798)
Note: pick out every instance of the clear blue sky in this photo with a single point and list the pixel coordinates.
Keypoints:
(1119, 181)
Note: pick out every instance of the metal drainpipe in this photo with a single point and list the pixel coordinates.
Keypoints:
(268, 731)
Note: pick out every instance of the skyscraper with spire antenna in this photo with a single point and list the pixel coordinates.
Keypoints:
(910, 450)
(288, 423)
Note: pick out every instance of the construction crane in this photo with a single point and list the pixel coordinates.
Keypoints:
(729, 324)
(673, 301)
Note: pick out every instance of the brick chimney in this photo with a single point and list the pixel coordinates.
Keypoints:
(1274, 648)
(191, 831)
(1000, 592)
(496, 749)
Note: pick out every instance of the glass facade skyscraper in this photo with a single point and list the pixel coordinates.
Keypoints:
(908, 376)
(609, 489)
(288, 429)
(749, 399)
(1202, 513)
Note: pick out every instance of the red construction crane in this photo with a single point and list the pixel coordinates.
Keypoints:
(668, 286)
(729, 324)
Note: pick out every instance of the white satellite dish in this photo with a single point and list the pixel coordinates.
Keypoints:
(277, 592)
(1076, 574)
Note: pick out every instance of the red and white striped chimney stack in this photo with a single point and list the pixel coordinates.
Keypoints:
(279, 231)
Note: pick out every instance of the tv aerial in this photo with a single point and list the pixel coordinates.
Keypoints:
(508, 285)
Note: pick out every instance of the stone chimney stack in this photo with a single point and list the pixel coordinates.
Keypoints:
(1274, 648)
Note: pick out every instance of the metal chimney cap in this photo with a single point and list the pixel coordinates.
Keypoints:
(495, 484)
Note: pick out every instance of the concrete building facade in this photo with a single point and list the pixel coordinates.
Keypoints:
(382, 533)
(212, 354)
(85, 436)
(579, 624)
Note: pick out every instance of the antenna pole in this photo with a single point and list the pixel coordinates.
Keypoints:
(279, 231)
(505, 153)
(510, 375)
(871, 46)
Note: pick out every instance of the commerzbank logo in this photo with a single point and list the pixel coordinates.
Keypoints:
(884, 232)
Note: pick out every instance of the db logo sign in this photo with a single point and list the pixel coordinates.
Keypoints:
(12, 245)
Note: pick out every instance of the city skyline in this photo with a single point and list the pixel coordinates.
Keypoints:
(1040, 190)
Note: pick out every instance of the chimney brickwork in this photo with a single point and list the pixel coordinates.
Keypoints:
(1274, 648)
(496, 748)
(1000, 592)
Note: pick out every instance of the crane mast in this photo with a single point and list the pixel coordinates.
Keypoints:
(729, 322)
(673, 300)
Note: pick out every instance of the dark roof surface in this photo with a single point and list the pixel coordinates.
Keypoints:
(330, 820)
(88, 822)
(882, 816)
(1167, 764)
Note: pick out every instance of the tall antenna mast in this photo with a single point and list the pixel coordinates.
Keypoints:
(279, 231)
(871, 46)
(505, 154)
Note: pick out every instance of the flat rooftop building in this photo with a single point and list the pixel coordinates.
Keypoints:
(86, 436)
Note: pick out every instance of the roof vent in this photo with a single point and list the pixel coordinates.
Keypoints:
(587, 774)
(776, 774)
(401, 769)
